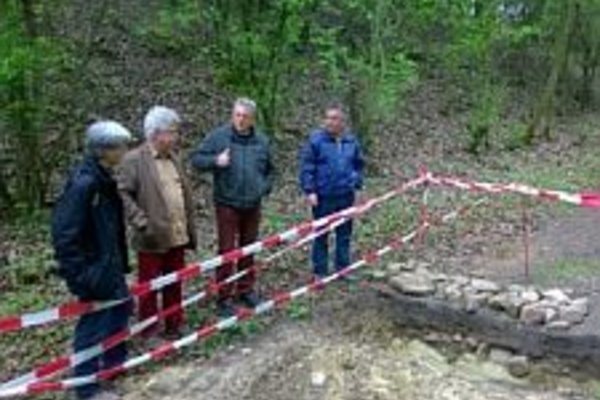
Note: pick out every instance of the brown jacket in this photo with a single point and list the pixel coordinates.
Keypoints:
(145, 206)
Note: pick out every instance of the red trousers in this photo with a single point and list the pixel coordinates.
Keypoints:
(153, 265)
(236, 228)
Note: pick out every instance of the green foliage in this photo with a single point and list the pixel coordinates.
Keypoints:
(564, 270)
(484, 117)
(298, 310)
(29, 64)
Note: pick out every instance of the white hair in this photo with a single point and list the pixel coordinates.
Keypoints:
(247, 103)
(106, 134)
(159, 119)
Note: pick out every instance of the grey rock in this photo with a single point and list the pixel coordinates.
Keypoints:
(484, 285)
(394, 268)
(516, 288)
(509, 302)
(378, 274)
(461, 280)
(519, 366)
(413, 284)
(472, 343)
(551, 315)
(475, 300)
(559, 325)
(534, 314)
(440, 277)
(557, 296)
(530, 295)
(453, 293)
(318, 379)
(582, 304)
(500, 356)
(574, 313)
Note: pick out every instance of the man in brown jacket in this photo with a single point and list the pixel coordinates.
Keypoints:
(158, 205)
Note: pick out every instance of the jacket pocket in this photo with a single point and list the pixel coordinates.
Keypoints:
(147, 236)
(101, 280)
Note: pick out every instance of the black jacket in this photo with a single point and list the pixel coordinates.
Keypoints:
(88, 233)
(248, 178)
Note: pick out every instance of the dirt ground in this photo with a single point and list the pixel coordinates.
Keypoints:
(564, 251)
(349, 348)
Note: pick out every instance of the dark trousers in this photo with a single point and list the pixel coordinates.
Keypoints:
(151, 266)
(236, 228)
(92, 329)
(343, 235)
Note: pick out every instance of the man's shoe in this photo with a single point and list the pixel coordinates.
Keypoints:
(225, 309)
(154, 342)
(172, 335)
(250, 299)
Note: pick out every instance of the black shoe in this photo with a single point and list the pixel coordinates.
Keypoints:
(225, 309)
(250, 299)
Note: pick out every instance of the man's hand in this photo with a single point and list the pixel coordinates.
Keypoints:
(312, 200)
(224, 158)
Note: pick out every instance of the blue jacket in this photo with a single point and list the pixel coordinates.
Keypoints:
(330, 166)
(88, 233)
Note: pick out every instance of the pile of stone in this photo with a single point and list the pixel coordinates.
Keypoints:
(554, 309)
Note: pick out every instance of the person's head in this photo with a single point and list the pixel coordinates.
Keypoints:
(335, 119)
(107, 141)
(243, 115)
(161, 128)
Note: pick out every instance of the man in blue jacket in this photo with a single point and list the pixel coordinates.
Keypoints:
(331, 171)
(88, 232)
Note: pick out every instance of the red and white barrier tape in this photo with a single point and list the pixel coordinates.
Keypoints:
(76, 309)
(60, 364)
(589, 200)
(166, 349)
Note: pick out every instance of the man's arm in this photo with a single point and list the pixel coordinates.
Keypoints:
(128, 186)
(308, 169)
(205, 157)
(359, 165)
(270, 172)
(68, 226)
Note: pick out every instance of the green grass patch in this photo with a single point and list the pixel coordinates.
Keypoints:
(564, 270)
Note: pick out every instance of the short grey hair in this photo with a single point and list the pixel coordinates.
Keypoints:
(336, 106)
(104, 135)
(159, 119)
(247, 103)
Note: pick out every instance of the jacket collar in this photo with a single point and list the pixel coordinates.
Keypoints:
(344, 137)
(239, 135)
(154, 153)
(93, 166)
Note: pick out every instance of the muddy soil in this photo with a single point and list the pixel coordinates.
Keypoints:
(350, 350)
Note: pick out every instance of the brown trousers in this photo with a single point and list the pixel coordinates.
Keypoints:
(236, 228)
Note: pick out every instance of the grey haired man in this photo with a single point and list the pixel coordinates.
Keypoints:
(88, 233)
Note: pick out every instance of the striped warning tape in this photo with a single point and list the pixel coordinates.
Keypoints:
(76, 309)
(166, 349)
(590, 200)
(60, 364)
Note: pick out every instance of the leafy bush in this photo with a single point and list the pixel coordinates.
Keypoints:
(28, 66)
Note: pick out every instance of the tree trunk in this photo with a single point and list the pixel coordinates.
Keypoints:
(544, 111)
(29, 17)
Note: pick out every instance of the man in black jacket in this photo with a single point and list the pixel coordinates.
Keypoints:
(239, 158)
(88, 232)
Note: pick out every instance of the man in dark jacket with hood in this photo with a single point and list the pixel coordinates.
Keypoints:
(239, 158)
(88, 232)
(331, 170)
